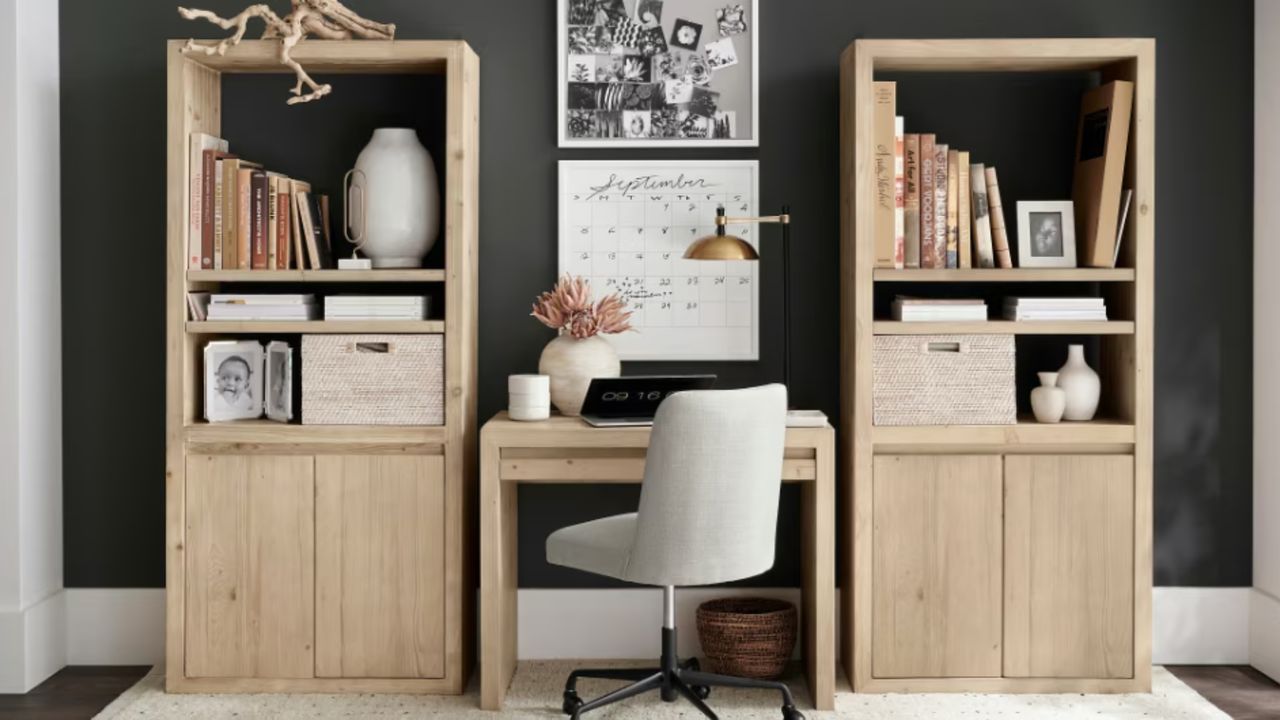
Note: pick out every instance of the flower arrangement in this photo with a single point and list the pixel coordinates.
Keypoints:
(568, 308)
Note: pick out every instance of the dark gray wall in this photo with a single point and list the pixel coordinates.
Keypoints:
(113, 131)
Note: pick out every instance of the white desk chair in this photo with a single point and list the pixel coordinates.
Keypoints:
(708, 514)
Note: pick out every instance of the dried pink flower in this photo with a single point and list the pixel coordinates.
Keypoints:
(568, 308)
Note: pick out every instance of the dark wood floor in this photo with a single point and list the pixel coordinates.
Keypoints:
(74, 693)
(1238, 690)
(79, 693)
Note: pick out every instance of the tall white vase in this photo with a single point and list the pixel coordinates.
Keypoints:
(394, 200)
(572, 363)
(1082, 385)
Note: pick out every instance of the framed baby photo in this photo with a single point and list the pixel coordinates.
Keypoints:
(658, 73)
(279, 382)
(1046, 234)
(233, 382)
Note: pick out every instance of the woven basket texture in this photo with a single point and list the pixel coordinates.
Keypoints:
(747, 637)
(944, 380)
(373, 380)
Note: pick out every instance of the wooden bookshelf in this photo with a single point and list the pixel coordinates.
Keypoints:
(955, 536)
(286, 514)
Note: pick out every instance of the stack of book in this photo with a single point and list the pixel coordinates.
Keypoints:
(262, 307)
(244, 217)
(1059, 308)
(907, 309)
(375, 307)
(934, 208)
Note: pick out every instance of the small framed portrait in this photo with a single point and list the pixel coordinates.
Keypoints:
(1046, 234)
(279, 382)
(233, 382)
(686, 34)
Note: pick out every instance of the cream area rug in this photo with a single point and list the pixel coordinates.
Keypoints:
(535, 693)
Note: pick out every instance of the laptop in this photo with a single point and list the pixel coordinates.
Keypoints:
(633, 401)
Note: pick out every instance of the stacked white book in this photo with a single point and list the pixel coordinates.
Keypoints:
(375, 307)
(1060, 308)
(262, 307)
(907, 309)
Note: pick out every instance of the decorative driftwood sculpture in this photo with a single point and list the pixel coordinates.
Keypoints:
(326, 19)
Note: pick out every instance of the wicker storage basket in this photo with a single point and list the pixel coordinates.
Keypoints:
(747, 637)
(373, 379)
(944, 380)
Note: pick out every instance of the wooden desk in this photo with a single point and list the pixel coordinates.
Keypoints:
(567, 450)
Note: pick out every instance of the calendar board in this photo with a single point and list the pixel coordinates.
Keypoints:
(625, 227)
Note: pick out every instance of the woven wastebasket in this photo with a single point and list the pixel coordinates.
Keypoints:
(747, 637)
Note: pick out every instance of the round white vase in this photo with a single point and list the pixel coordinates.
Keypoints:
(1048, 401)
(572, 363)
(1081, 384)
(394, 200)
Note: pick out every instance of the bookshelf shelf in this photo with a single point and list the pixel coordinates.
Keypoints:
(1004, 327)
(316, 276)
(1014, 275)
(262, 433)
(319, 327)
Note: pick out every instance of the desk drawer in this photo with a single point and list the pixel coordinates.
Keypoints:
(561, 465)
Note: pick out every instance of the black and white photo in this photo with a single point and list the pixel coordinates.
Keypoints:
(686, 34)
(1046, 234)
(279, 381)
(233, 380)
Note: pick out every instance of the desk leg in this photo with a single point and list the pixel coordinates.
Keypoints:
(819, 542)
(498, 581)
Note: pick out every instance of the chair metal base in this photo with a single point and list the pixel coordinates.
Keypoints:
(673, 680)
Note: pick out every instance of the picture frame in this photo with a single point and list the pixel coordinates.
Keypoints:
(658, 73)
(1046, 234)
(278, 376)
(233, 380)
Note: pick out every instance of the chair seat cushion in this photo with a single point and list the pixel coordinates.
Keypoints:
(600, 546)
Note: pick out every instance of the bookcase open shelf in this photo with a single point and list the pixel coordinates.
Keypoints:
(316, 276)
(313, 327)
(999, 558)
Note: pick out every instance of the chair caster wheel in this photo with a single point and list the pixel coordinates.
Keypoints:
(571, 703)
(702, 691)
(789, 712)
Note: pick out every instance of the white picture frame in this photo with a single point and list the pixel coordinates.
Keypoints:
(278, 376)
(233, 381)
(747, 52)
(1046, 234)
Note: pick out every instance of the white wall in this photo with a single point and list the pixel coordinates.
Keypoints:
(32, 610)
(1265, 611)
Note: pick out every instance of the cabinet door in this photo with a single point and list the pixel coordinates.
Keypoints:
(250, 563)
(936, 566)
(380, 566)
(1069, 566)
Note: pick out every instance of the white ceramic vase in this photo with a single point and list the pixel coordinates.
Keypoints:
(1048, 401)
(1081, 384)
(393, 202)
(572, 363)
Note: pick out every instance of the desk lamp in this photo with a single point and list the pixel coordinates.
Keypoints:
(725, 247)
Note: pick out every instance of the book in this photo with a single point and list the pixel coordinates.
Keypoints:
(295, 219)
(899, 199)
(232, 226)
(1101, 143)
(283, 246)
(1124, 218)
(911, 203)
(940, 205)
(928, 247)
(273, 219)
(999, 235)
(258, 220)
(953, 211)
(244, 224)
(218, 208)
(198, 305)
(312, 231)
(209, 165)
(262, 298)
(984, 253)
(963, 211)
(885, 99)
(320, 210)
(199, 142)
(908, 309)
(1055, 308)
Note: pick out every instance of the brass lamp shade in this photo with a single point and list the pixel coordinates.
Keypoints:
(721, 247)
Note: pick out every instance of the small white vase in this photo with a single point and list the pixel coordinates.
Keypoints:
(394, 200)
(1081, 384)
(1048, 401)
(572, 363)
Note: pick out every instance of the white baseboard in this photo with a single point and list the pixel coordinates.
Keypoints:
(33, 643)
(126, 627)
(1200, 626)
(1264, 633)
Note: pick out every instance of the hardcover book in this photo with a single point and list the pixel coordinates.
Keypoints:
(953, 211)
(200, 142)
(911, 203)
(295, 217)
(999, 235)
(885, 94)
(209, 166)
(928, 200)
(218, 207)
(1101, 144)
(964, 211)
(940, 206)
(244, 229)
(258, 219)
(982, 245)
(899, 199)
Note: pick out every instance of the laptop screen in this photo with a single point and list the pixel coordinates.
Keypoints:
(637, 396)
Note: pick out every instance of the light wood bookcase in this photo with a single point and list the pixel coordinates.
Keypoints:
(310, 558)
(998, 558)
